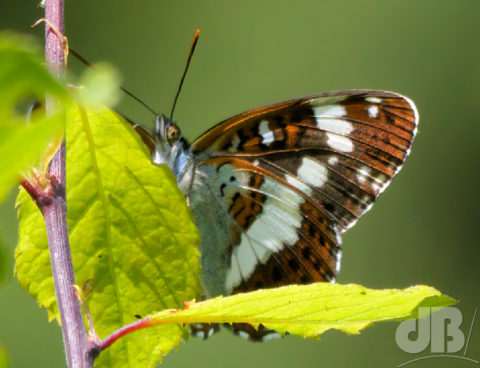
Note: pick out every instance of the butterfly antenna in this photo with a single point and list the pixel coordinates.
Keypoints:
(192, 49)
(126, 91)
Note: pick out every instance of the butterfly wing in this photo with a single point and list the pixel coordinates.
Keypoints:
(286, 180)
(344, 146)
(257, 232)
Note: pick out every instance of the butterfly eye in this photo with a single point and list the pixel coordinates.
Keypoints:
(173, 134)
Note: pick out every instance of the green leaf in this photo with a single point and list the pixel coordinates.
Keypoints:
(132, 237)
(310, 310)
(22, 145)
(22, 73)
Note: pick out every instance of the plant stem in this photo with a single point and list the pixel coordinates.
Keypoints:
(55, 211)
(122, 331)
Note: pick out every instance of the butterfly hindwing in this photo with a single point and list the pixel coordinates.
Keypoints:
(277, 234)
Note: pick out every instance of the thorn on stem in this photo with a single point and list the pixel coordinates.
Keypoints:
(63, 39)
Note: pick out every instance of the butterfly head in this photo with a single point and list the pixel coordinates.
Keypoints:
(166, 132)
(172, 149)
(167, 136)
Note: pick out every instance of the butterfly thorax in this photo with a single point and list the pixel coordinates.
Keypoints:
(209, 209)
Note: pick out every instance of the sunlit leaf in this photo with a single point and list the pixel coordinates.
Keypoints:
(132, 237)
(310, 310)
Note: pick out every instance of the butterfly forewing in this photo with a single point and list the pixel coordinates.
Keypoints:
(342, 147)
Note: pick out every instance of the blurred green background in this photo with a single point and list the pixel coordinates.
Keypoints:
(423, 230)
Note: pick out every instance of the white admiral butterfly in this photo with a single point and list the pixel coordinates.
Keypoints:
(273, 189)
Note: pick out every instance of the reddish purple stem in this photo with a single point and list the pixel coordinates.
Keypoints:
(80, 352)
(55, 209)
(122, 331)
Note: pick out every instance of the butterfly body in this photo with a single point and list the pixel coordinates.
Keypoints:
(273, 189)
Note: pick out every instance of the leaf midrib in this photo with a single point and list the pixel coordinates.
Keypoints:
(104, 202)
